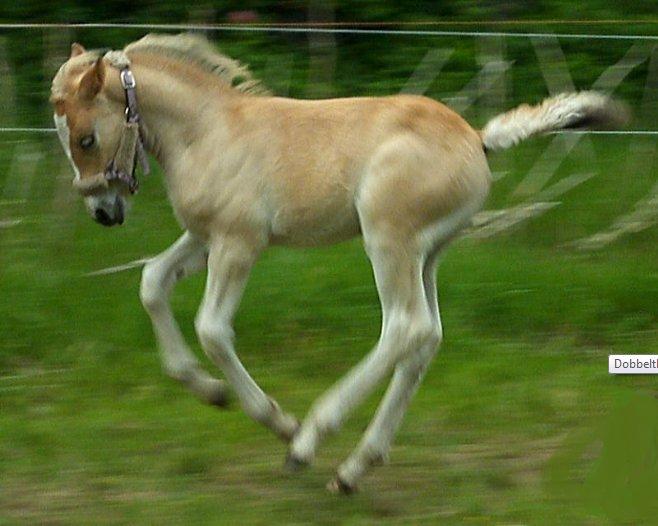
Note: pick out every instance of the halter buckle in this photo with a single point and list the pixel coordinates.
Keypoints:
(127, 79)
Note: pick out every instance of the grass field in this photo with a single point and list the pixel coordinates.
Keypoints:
(511, 426)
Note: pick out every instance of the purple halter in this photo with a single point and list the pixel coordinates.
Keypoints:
(114, 170)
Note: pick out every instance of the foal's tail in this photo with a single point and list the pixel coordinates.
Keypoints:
(584, 110)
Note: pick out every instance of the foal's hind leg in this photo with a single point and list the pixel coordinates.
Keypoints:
(407, 326)
(229, 262)
(409, 373)
(186, 256)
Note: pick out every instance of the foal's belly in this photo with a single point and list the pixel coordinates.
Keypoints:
(304, 226)
(312, 203)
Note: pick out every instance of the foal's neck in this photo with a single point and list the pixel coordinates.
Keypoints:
(173, 99)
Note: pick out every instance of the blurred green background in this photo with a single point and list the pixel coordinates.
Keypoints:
(518, 421)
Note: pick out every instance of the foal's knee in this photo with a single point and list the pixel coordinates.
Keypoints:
(151, 290)
(215, 336)
(411, 332)
(407, 339)
(433, 339)
(429, 335)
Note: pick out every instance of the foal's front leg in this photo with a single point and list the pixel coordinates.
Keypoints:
(229, 263)
(186, 256)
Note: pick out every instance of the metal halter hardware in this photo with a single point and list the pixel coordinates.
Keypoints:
(131, 148)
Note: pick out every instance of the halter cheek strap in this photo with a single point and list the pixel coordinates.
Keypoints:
(131, 148)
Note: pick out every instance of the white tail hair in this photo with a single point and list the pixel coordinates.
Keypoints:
(584, 110)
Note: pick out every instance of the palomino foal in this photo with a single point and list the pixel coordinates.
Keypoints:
(245, 170)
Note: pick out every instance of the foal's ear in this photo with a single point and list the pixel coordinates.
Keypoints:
(76, 49)
(92, 81)
(60, 108)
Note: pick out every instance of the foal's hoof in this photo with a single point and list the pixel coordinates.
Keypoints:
(338, 486)
(294, 464)
(220, 395)
(220, 399)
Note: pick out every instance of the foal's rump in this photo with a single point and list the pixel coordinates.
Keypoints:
(429, 166)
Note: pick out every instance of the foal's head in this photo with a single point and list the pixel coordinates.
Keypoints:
(90, 124)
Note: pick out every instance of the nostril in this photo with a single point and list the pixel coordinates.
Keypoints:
(102, 217)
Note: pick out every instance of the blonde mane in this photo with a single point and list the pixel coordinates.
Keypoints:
(199, 51)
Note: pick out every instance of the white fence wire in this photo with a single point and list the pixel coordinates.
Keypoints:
(331, 30)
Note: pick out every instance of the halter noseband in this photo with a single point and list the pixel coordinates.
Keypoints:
(131, 148)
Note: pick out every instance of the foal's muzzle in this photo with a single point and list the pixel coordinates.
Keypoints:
(109, 212)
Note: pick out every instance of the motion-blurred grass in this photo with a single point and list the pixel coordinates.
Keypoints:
(91, 431)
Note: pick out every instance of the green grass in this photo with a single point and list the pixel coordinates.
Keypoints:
(91, 431)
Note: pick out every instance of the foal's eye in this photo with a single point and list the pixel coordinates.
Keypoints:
(87, 142)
